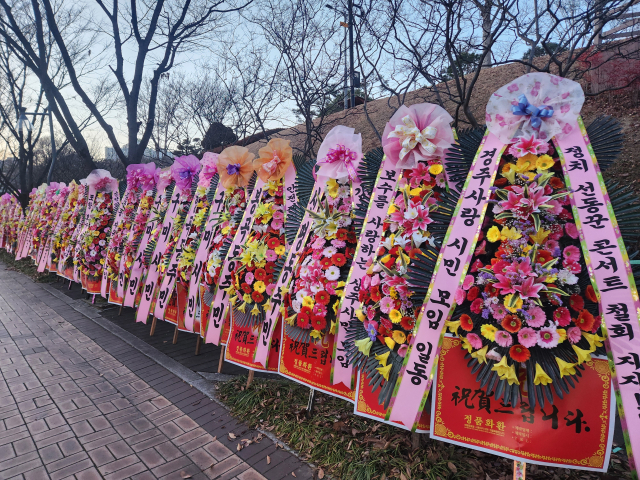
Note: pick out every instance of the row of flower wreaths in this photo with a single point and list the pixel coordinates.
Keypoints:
(525, 302)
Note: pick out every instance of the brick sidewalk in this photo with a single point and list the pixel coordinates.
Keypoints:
(78, 402)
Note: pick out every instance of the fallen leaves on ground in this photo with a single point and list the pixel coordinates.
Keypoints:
(348, 447)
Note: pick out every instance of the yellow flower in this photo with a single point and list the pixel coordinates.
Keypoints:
(360, 315)
(315, 334)
(488, 332)
(501, 368)
(393, 293)
(563, 334)
(308, 302)
(541, 376)
(389, 343)
(493, 235)
(415, 192)
(259, 286)
(255, 310)
(399, 337)
(395, 316)
(364, 345)
(544, 162)
(392, 209)
(384, 371)
(466, 344)
(583, 355)
(509, 173)
(436, 169)
(383, 358)
(481, 355)
(526, 163)
(516, 307)
(332, 188)
(540, 236)
(279, 250)
(453, 327)
(594, 340)
(510, 233)
(246, 298)
(565, 367)
(334, 327)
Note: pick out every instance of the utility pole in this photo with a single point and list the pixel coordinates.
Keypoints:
(351, 60)
(348, 24)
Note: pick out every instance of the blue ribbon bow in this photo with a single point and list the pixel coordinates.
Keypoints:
(536, 114)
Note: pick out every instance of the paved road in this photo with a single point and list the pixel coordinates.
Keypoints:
(78, 402)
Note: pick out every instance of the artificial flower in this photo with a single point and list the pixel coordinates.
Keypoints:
(274, 159)
(235, 166)
(519, 353)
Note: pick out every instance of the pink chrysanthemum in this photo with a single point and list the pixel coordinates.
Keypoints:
(474, 340)
(548, 337)
(503, 338)
(527, 337)
(538, 317)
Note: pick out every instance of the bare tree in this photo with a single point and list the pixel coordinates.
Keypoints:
(25, 34)
(153, 33)
(172, 120)
(566, 38)
(208, 100)
(304, 36)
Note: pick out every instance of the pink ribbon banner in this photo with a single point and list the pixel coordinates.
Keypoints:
(416, 375)
(289, 188)
(169, 278)
(381, 198)
(138, 268)
(153, 273)
(261, 353)
(199, 264)
(608, 264)
(220, 303)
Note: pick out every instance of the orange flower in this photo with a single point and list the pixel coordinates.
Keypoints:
(275, 158)
(235, 166)
(466, 322)
(585, 321)
(519, 353)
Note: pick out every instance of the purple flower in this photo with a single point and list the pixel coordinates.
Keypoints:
(371, 331)
(183, 170)
(233, 169)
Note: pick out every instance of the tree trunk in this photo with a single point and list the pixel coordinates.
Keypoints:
(487, 35)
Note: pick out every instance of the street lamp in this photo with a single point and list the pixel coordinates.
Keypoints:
(349, 25)
(24, 122)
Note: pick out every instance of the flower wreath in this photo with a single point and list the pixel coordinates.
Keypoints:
(185, 173)
(313, 301)
(93, 252)
(238, 188)
(263, 253)
(397, 278)
(205, 191)
(68, 219)
(69, 239)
